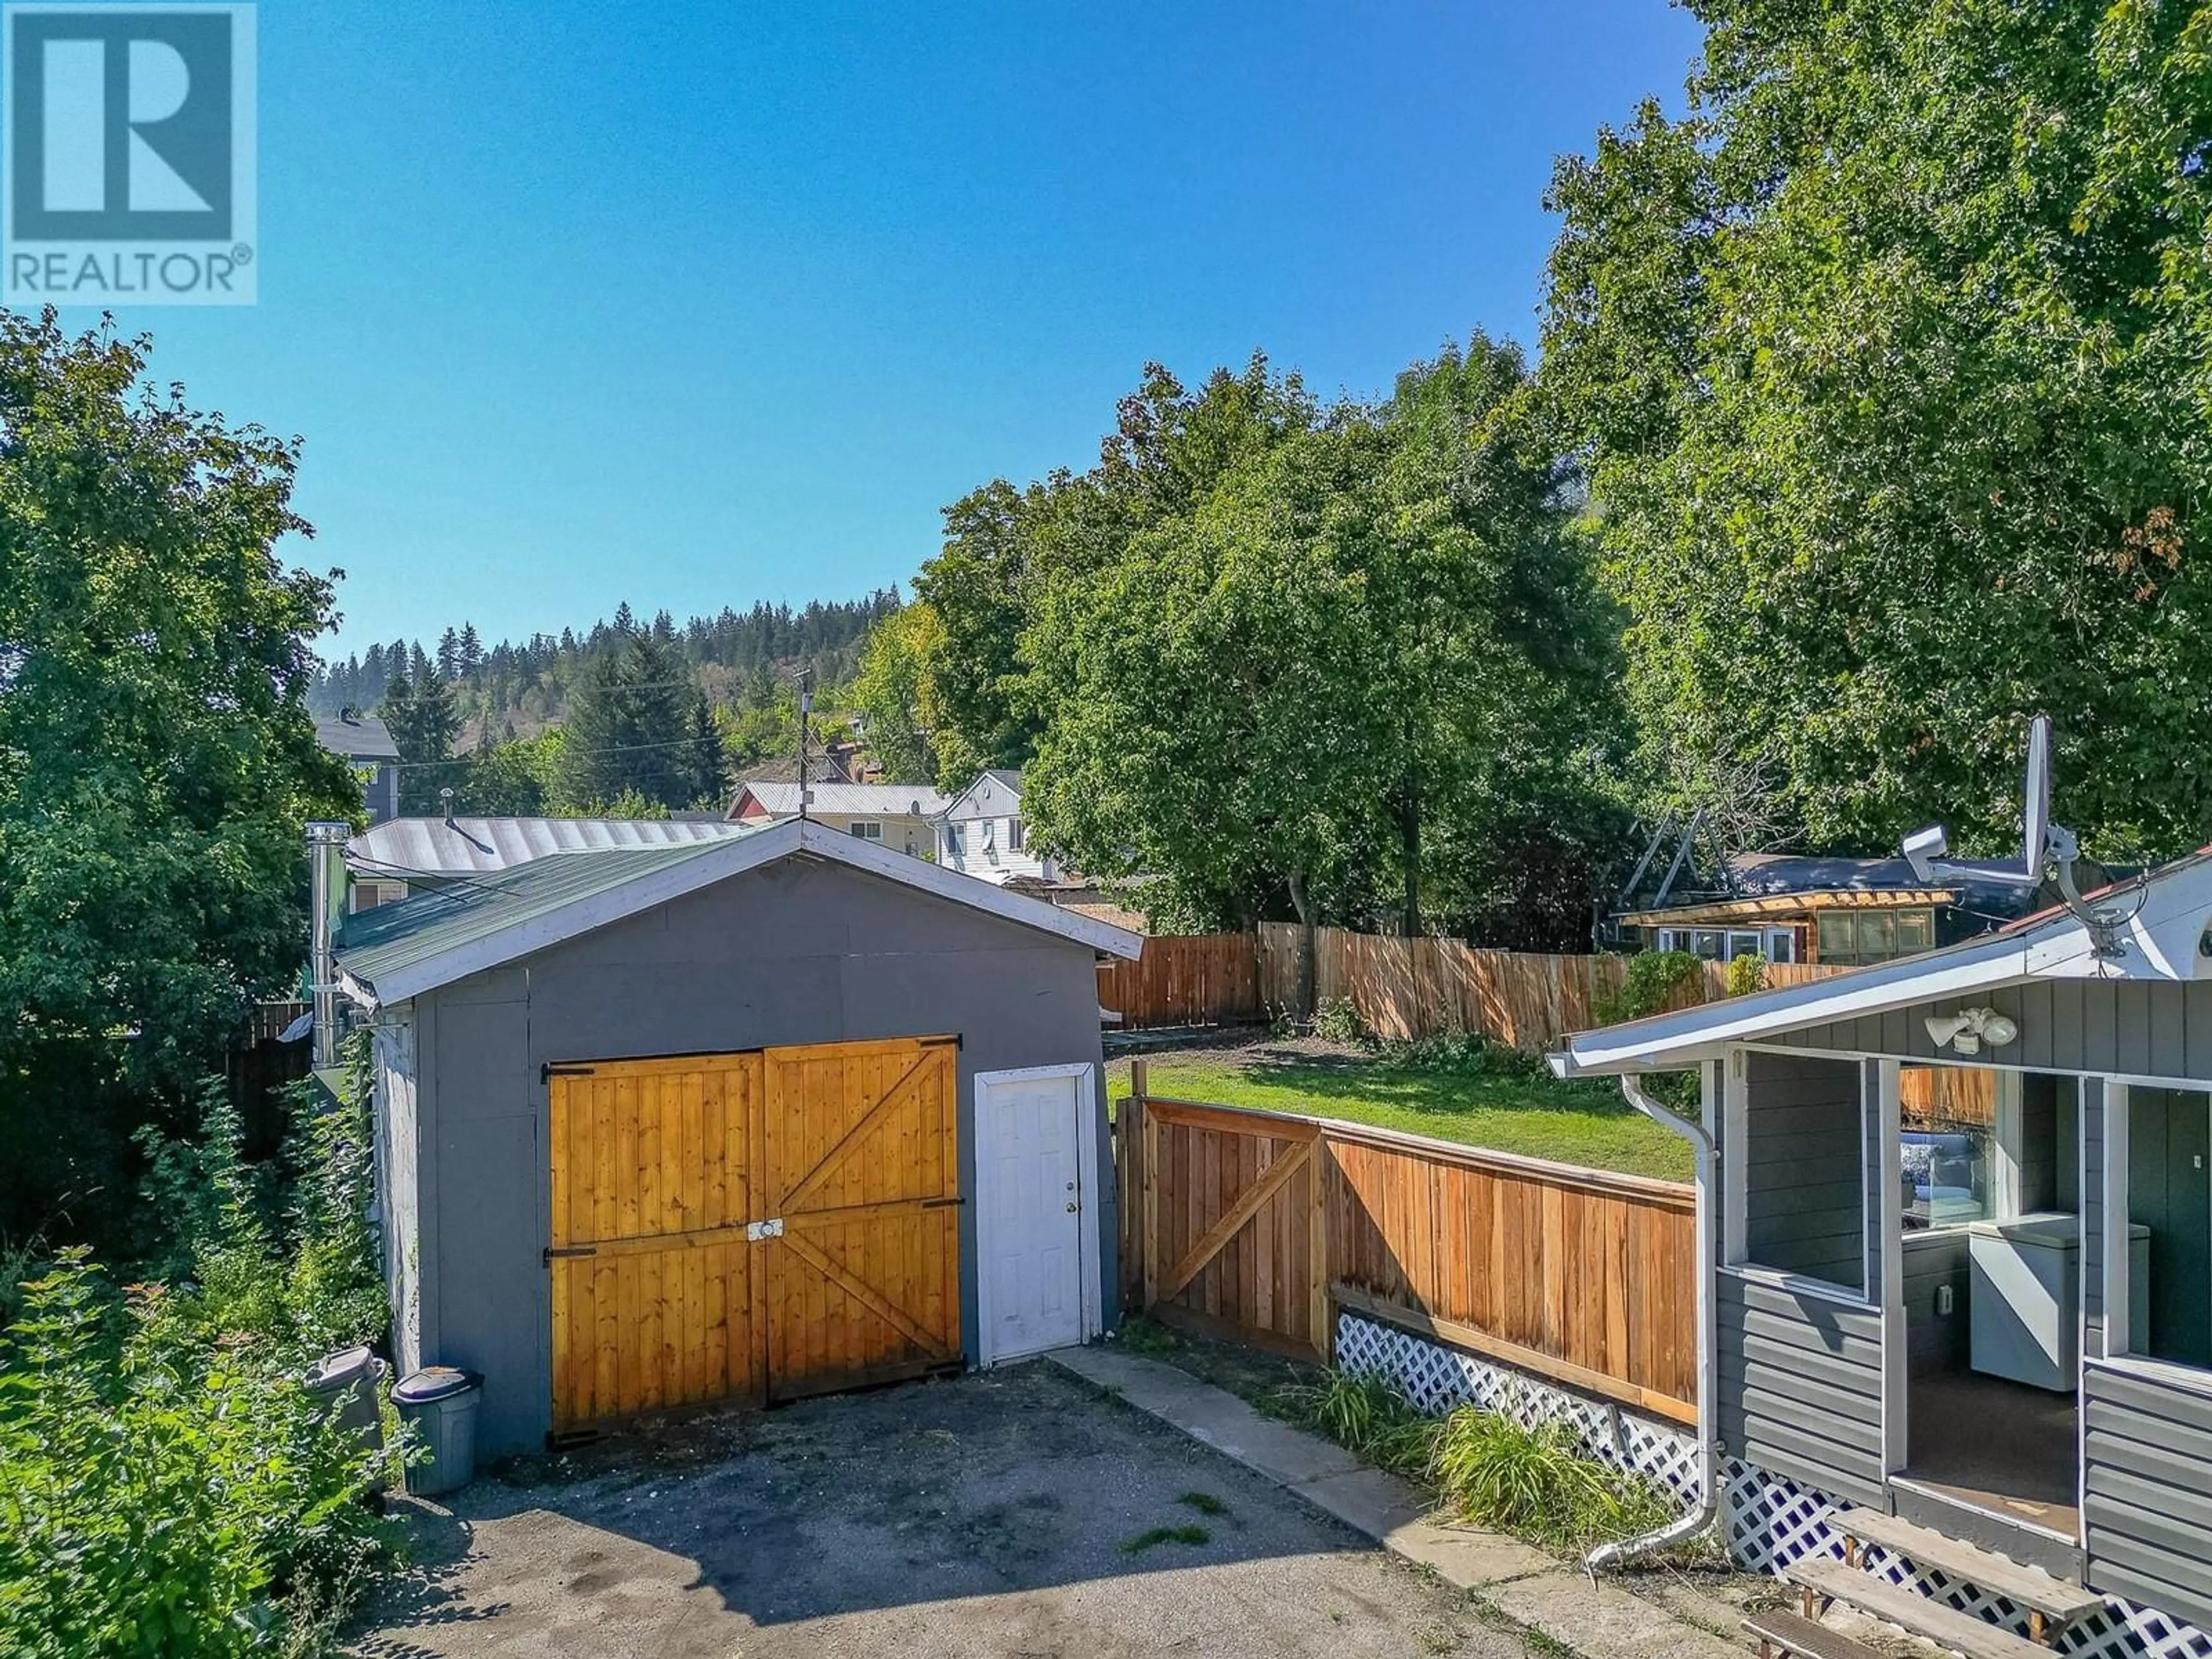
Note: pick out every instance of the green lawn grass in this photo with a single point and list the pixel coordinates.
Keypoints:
(1584, 1123)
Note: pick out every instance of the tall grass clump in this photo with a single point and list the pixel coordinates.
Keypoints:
(1366, 1412)
(1537, 1483)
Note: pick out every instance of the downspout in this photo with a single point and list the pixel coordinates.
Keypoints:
(1701, 1518)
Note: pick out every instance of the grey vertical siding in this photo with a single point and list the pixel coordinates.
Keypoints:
(795, 953)
(1800, 1382)
(2147, 1516)
(1805, 1209)
(2128, 1027)
(1934, 1342)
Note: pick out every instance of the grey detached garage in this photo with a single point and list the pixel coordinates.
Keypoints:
(735, 1120)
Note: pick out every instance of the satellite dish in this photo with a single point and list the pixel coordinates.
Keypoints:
(2035, 838)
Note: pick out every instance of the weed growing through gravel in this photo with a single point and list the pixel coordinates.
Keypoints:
(1204, 1501)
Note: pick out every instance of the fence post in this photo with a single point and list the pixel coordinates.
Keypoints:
(1318, 1310)
(1137, 1193)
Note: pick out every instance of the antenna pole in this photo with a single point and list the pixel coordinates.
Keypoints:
(805, 722)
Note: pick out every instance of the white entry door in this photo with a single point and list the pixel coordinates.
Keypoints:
(1034, 1219)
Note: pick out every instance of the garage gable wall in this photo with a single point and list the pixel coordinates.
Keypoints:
(796, 953)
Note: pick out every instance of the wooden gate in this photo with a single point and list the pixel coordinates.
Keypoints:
(752, 1226)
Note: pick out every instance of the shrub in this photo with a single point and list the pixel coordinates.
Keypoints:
(1653, 980)
(1536, 1482)
(1339, 1022)
(161, 1494)
(1747, 974)
(1462, 1054)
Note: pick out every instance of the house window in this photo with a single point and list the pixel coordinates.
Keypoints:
(1775, 943)
(866, 829)
(1015, 834)
(368, 895)
(952, 841)
(1851, 938)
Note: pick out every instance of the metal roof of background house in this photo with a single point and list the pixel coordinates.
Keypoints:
(363, 737)
(466, 846)
(848, 800)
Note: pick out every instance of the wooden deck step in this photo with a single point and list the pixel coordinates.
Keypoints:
(1961, 1632)
(2056, 1602)
(1786, 1633)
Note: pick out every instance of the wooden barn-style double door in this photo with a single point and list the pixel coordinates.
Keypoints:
(750, 1227)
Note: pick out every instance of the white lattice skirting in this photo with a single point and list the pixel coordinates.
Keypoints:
(1437, 1378)
(1769, 1521)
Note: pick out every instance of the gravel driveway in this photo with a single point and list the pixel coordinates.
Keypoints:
(1003, 1513)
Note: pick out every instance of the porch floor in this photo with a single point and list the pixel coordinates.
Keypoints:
(1998, 1446)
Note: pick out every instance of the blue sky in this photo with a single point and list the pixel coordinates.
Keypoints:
(697, 304)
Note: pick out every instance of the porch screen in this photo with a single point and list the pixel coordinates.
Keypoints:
(1804, 1168)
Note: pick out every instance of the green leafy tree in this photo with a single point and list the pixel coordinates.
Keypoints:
(895, 695)
(156, 757)
(1889, 363)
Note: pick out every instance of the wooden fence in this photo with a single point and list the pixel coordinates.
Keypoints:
(1409, 987)
(1185, 979)
(1257, 1225)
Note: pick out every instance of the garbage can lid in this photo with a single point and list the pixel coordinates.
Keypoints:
(334, 1371)
(433, 1383)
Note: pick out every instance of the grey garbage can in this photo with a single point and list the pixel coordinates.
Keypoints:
(345, 1383)
(441, 1401)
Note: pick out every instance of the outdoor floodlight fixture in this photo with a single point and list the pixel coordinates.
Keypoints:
(1964, 1031)
(1922, 847)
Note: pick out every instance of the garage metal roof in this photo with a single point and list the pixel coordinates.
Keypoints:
(376, 945)
(399, 951)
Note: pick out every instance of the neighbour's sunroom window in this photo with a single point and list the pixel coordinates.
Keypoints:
(1801, 1168)
(1852, 938)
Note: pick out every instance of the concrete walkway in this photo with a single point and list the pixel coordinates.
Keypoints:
(1603, 1621)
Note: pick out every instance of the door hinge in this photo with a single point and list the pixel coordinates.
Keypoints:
(548, 1071)
(563, 1252)
(756, 1231)
(941, 1203)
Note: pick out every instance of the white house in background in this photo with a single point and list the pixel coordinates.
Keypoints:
(981, 832)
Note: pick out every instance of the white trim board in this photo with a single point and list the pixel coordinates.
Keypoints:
(719, 861)
(1089, 1197)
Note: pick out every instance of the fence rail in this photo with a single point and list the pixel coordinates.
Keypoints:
(1257, 1225)
(1185, 979)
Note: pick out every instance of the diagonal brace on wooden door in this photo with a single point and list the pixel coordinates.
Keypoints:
(1216, 1238)
(892, 1098)
(862, 1294)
